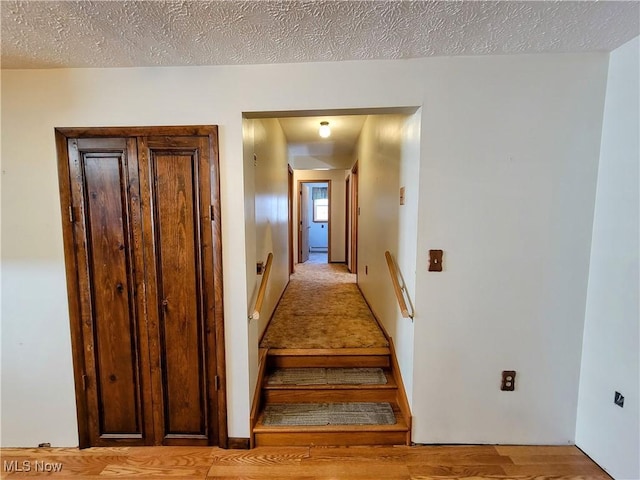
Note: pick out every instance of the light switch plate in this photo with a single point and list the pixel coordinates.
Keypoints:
(435, 260)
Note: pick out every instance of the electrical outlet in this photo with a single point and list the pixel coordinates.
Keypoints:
(508, 381)
(618, 399)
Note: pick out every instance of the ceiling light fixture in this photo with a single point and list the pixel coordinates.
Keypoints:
(324, 131)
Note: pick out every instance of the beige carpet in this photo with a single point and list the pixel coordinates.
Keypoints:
(323, 308)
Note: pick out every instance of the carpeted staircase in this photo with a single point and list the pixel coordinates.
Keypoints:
(329, 397)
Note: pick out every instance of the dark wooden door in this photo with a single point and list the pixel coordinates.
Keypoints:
(105, 210)
(143, 256)
(180, 275)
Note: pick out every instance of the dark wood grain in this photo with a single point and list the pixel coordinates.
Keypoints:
(113, 315)
(353, 257)
(180, 291)
(141, 221)
(65, 183)
(215, 273)
(105, 289)
(138, 265)
(134, 131)
(187, 318)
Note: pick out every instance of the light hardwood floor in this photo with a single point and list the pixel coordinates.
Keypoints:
(428, 462)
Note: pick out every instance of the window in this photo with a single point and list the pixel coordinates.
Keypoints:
(321, 210)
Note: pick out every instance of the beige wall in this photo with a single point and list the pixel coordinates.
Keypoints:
(388, 159)
(509, 148)
(271, 211)
(265, 153)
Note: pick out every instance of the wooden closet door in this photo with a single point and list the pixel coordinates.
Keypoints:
(105, 217)
(181, 300)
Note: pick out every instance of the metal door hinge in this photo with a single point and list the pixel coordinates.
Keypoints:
(74, 213)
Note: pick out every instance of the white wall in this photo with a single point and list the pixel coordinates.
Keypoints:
(507, 184)
(336, 204)
(265, 153)
(611, 345)
(388, 158)
(406, 256)
(509, 146)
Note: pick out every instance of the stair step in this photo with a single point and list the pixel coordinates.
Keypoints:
(277, 435)
(341, 357)
(323, 414)
(329, 395)
(331, 438)
(325, 377)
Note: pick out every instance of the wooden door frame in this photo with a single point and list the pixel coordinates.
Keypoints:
(299, 190)
(353, 257)
(69, 211)
(290, 210)
(347, 193)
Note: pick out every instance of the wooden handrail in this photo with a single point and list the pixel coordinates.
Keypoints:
(263, 288)
(396, 286)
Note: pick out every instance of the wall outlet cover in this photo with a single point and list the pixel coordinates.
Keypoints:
(618, 399)
(508, 381)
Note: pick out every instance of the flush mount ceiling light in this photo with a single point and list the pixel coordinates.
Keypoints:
(324, 131)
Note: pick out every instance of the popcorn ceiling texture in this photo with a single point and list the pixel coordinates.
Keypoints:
(52, 34)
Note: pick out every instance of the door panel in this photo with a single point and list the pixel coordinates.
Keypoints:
(185, 326)
(179, 279)
(110, 291)
(107, 276)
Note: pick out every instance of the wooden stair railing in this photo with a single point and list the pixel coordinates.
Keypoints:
(397, 288)
(262, 290)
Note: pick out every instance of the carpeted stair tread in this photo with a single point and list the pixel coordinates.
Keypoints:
(327, 376)
(317, 414)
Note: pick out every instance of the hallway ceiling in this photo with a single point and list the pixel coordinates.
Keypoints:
(54, 34)
(307, 150)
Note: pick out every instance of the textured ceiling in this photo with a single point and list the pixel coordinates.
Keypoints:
(49, 34)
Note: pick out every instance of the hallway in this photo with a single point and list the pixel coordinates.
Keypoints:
(323, 308)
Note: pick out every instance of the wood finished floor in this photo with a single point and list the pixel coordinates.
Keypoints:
(304, 463)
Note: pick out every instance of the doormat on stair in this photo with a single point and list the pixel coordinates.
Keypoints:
(327, 376)
(317, 414)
